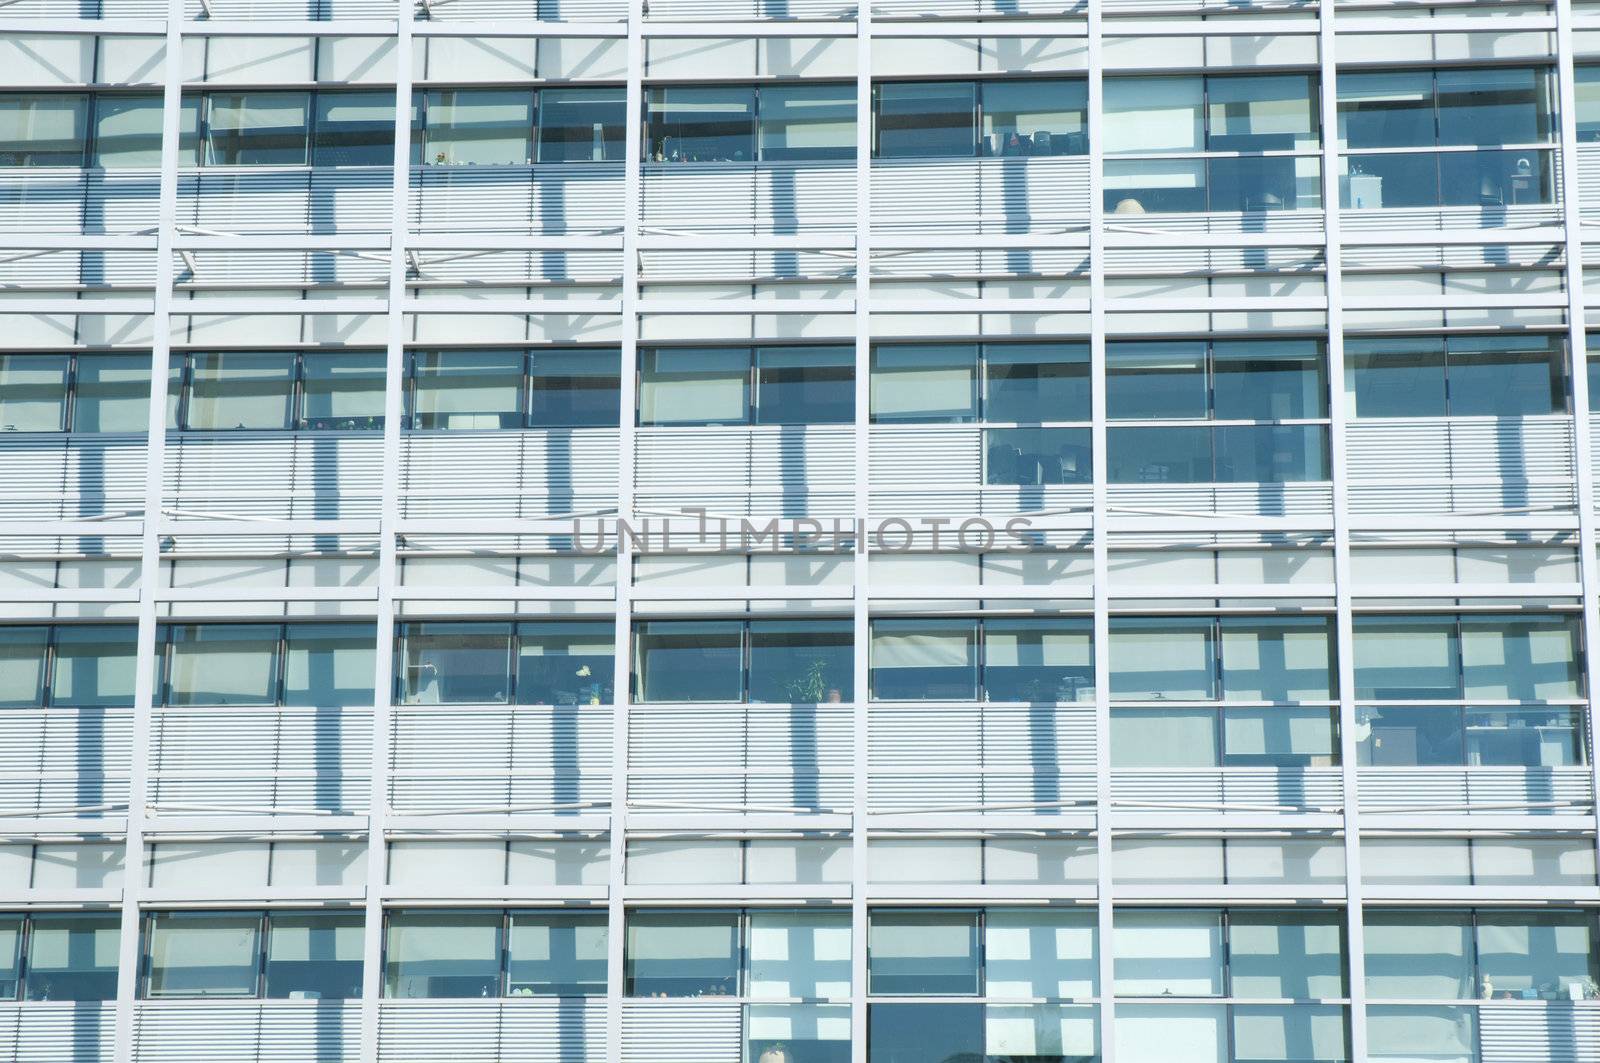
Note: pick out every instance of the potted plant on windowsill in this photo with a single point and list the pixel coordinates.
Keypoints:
(810, 686)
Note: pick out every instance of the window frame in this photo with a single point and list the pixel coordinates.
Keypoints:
(181, 381)
(752, 382)
(71, 380)
(1474, 920)
(1208, 160)
(164, 651)
(1437, 153)
(264, 919)
(514, 633)
(1448, 350)
(743, 917)
(979, 112)
(524, 412)
(1065, 624)
(49, 660)
(822, 625)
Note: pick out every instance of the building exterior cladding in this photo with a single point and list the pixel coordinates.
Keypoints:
(1239, 343)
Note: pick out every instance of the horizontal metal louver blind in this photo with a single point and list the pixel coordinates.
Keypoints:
(259, 758)
(539, 472)
(569, 1030)
(1554, 791)
(569, 198)
(1550, 1033)
(321, 475)
(54, 1032)
(65, 758)
(215, 1031)
(59, 476)
(681, 1032)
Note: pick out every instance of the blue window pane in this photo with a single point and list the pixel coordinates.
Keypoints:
(925, 660)
(1255, 183)
(1038, 660)
(73, 956)
(94, 666)
(565, 663)
(923, 953)
(257, 128)
(1035, 456)
(554, 954)
(801, 661)
(1159, 455)
(1399, 180)
(313, 956)
(1525, 738)
(354, 129)
(682, 954)
(1155, 186)
(1388, 110)
(1031, 382)
(1396, 377)
(582, 125)
(1489, 105)
(927, 118)
(805, 385)
(1398, 659)
(702, 124)
(43, 129)
(1268, 381)
(1271, 453)
(1506, 376)
(1156, 380)
(574, 388)
(925, 1033)
(443, 954)
(450, 663)
(1494, 178)
(1409, 736)
(688, 660)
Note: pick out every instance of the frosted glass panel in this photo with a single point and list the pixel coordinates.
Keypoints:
(1184, 1033)
(1168, 953)
(1035, 954)
(799, 954)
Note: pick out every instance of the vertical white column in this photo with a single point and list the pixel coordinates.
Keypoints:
(1582, 435)
(133, 879)
(1101, 534)
(632, 192)
(1344, 638)
(860, 601)
(388, 566)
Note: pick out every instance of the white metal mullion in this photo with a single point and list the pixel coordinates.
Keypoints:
(388, 564)
(622, 700)
(133, 883)
(1582, 433)
(1100, 545)
(860, 661)
(1344, 626)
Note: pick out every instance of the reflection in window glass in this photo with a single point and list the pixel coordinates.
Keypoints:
(1034, 456)
(573, 388)
(22, 666)
(73, 956)
(1164, 738)
(1159, 455)
(1440, 1034)
(1520, 659)
(354, 129)
(1034, 382)
(551, 954)
(39, 129)
(926, 118)
(479, 127)
(450, 663)
(1396, 376)
(923, 953)
(257, 128)
(1280, 737)
(1419, 955)
(924, 1033)
(328, 665)
(1493, 105)
(1165, 658)
(1386, 110)
(695, 385)
(1543, 955)
(467, 389)
(33, 392)
(805, 385)
(10, 956)
(313, 955)
(94, 666)
(342, 391)
(683, 954)
(1266, 1033)
(1168, 953)
(690, 660)
(924, 660)
(582, 125)
(240, 389)
(111, 393)
(1286, 955)
(1280, 380)
(1148, 116)
(931, 383)
(203, 954)
(1038, 660)
(702, 124)
(805, 661)
(1274, 112)
(1524, 738)
(443, 955)
(1035, 117)
(1034, 954)
(1409, 736)
(1155, 380)
(808, 122)
(804, 1033)
(1402, 658)
(799, 954)
(1506, 376)
(222, 664)
(127, 131)
(565, 663)
(1277, 660)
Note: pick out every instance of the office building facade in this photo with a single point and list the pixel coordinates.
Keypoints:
(775, 531)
